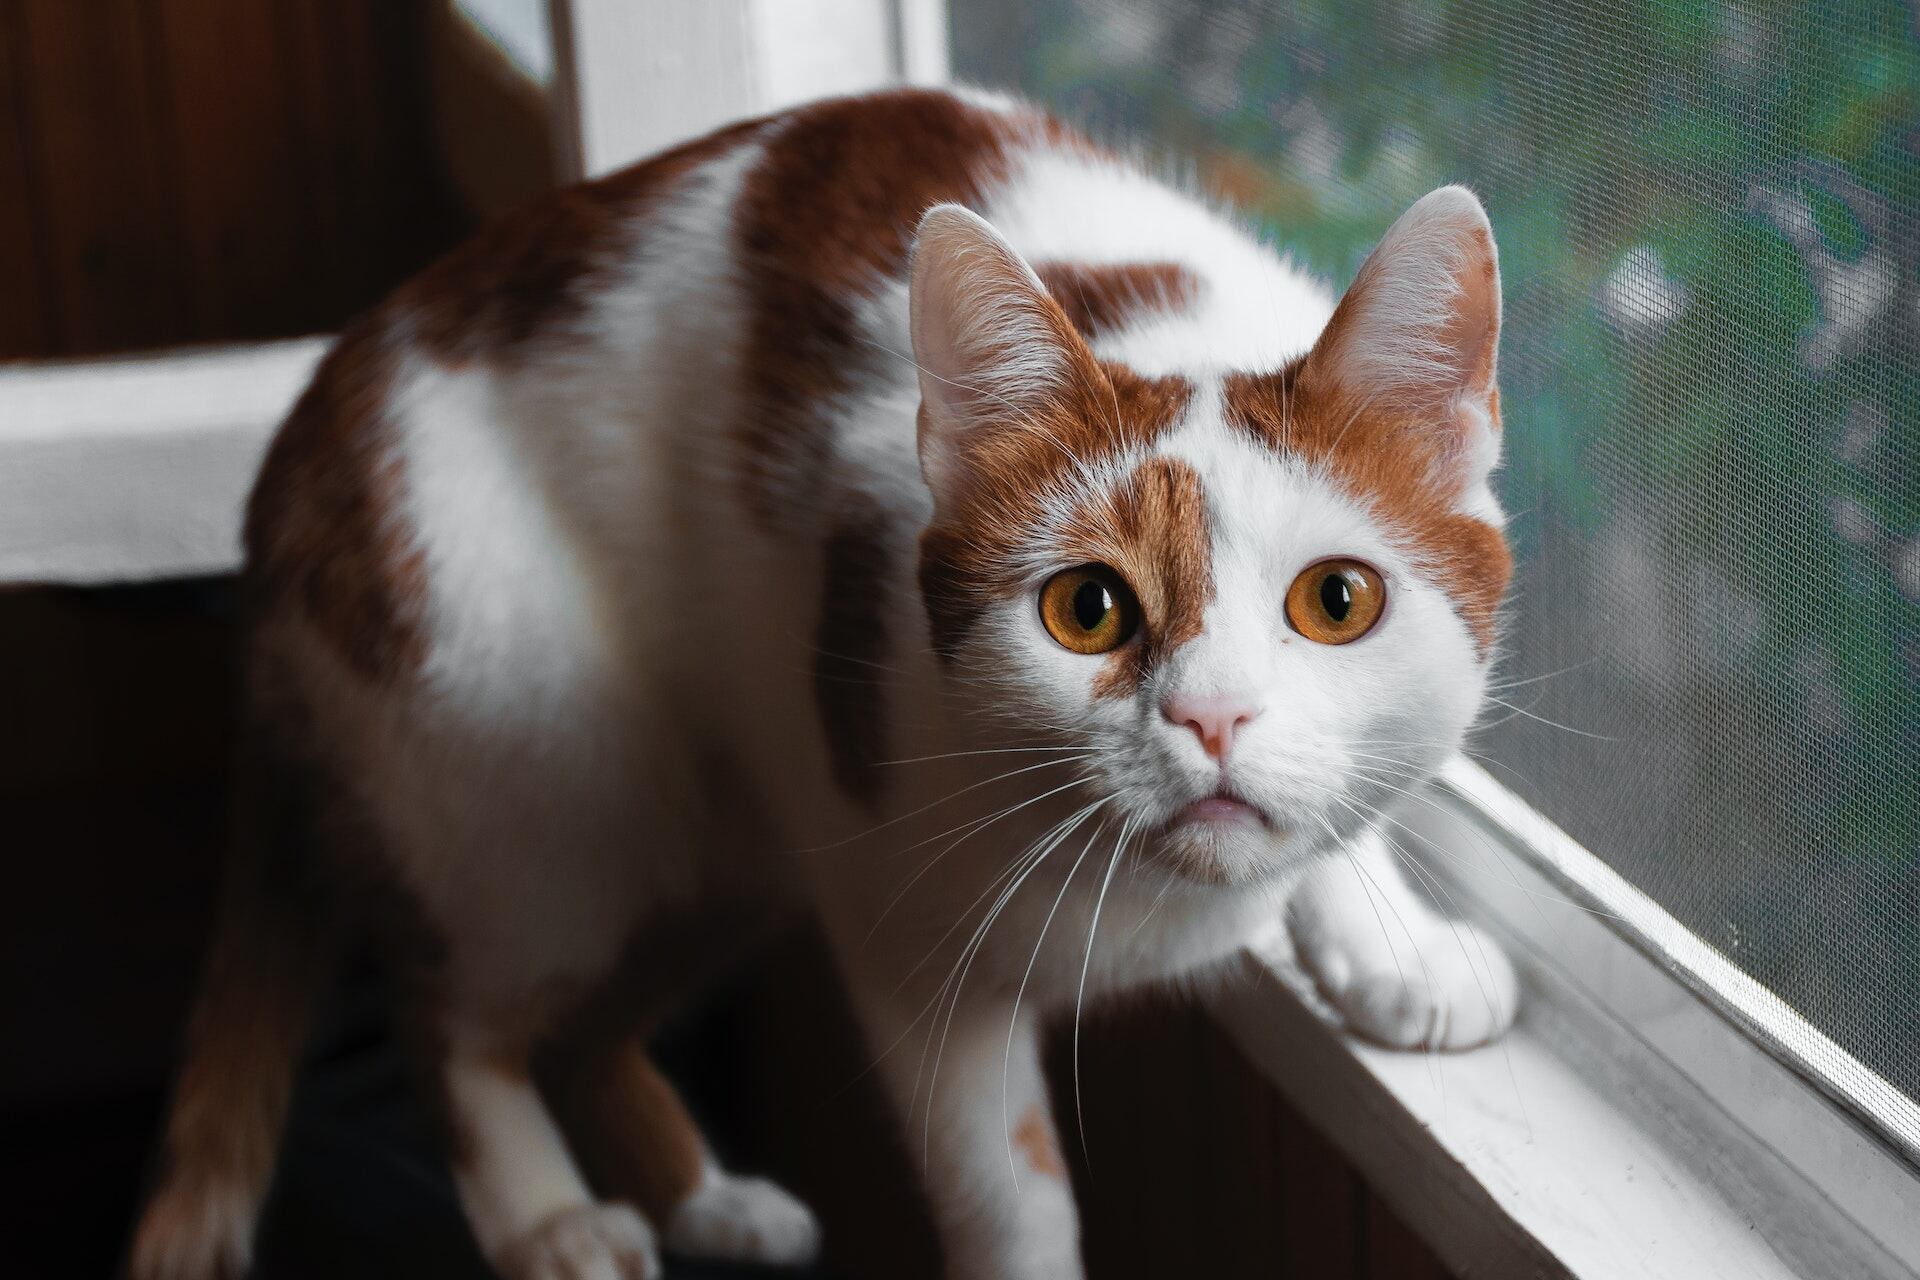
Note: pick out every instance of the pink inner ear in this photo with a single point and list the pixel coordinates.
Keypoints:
(1420, 327)
(1475, 332)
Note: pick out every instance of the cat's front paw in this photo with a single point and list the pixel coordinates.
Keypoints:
(734, 1219)
(1446, 986)
(592, 1242)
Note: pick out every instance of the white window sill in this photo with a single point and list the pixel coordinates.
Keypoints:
(128, 470)
(1624, 1128)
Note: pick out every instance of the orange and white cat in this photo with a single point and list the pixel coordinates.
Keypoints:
(898, 510)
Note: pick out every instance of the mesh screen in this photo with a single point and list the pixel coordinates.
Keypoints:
(1709, 222)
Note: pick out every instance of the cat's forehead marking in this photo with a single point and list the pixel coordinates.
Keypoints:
(1153, 528)
(1392, 466)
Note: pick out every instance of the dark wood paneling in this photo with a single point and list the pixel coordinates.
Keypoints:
(99, 171)
(1192, 1165)
(208, 170)
(237, 177)
(28, 321)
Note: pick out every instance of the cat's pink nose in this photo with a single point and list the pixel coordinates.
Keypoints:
(1214, 718)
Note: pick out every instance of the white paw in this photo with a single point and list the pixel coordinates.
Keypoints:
(194, 1232)
(1448, 986)
(592, 1242)
(738, 1219)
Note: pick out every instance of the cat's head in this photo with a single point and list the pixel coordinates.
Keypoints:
(1258, 601)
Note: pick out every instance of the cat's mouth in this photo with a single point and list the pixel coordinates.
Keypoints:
(1219, 838)
(1220, 808)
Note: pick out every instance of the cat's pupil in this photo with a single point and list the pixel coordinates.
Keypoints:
(1336, 597)
(1090, 604)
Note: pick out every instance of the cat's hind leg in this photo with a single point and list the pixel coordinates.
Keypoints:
(1391, 967)
(638, 1144)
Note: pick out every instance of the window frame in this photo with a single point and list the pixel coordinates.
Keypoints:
(1640, 1120)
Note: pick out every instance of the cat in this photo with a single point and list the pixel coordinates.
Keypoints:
(899, 510)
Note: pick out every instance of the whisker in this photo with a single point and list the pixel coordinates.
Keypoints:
(1502, 686)
(1013, 866)
(976, 828)
(1510, 879)
(1013, 1023)
(965, 966)
(955, 755)
(1080, 995)
(1523, 711)
(895, 821)
(1453, 922)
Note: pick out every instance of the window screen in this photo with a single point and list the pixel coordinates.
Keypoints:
(1709, 223)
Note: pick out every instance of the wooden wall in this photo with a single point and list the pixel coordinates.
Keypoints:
(181, 171)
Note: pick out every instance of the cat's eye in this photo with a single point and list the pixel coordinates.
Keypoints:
(1336, 601)
(1089, 609)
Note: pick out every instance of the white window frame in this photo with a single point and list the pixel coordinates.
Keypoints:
(1655, 1113)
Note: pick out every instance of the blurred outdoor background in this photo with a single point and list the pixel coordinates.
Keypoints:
(1709, 223)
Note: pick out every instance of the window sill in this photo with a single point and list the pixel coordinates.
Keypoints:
(1624, 1128)
(127, 470)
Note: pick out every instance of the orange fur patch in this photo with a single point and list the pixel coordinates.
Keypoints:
(1099, 299)
(1035, 1138)
(323, 532)
(627, 1126)
(527, 274)
(1153, 529)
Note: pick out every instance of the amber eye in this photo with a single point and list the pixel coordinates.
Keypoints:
(1336, 601)
(1089, 609)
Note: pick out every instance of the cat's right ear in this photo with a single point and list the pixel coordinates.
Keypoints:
(995, 352)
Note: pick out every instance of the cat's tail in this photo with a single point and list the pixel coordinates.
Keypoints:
(269, 958)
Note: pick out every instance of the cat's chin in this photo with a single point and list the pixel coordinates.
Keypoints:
(1213, 843)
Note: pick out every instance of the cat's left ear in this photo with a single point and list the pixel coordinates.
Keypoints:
(1418, 332)
(996, 353)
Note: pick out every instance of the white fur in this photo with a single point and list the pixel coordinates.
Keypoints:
(740, 1219)
(520, 1178)
(586, 1242)
(1255, 310)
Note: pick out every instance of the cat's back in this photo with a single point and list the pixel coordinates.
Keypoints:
(714, 338)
